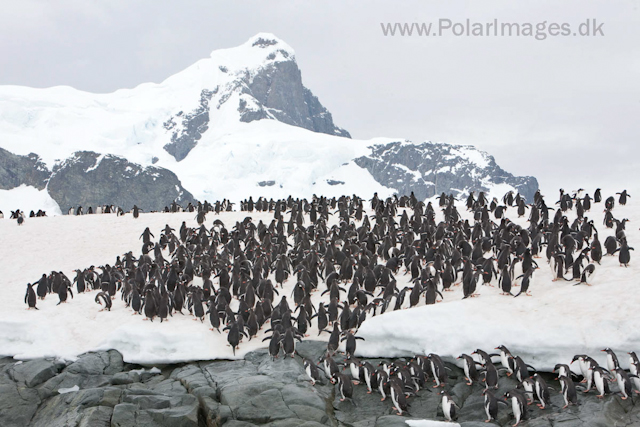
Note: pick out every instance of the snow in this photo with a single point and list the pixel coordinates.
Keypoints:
(68, 390)
(27, 199)
(428, 423)
(65, 243)
(558, 321)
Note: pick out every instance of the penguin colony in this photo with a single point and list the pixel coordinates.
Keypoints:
(401, 379)
(355, 263)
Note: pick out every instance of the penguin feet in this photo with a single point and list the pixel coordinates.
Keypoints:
(600, 396)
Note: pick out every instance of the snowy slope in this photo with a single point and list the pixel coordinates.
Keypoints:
(27, 199)
(558, 321)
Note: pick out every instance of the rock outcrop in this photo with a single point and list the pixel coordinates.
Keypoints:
(100, 390)
(91, 179)
(17, 170)
(428, 169)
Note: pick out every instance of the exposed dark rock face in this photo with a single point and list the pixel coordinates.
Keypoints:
(99, 389)
(428, 169)
(187, 129)
(17, 170)
(90, 179)
(280, 95)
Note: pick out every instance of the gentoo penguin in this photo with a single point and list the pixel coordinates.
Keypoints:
(30, 297)
(568, 390)
(368, 373)
(383, 383)
(397, 395)
(587, 275)
(634, 363)
(563, 370)
(345, 387)
(597, 196)
(600, 380)
(583, 364)
(506, 358)
(354, 367)
(624, 256)
(623, 197)
(542, 391)
(330, 368)
(274, 344)
(526, 281)
(529, 387)
(469, 366)
(104, 297)
(612, 360)
(438, 370)
(312, 370)
(624, 383)
(448, 407)
(518, 404)
(490, 405)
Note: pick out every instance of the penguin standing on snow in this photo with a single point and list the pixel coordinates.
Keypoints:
(30, 297)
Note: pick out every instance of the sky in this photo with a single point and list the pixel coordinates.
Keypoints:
(563, 109)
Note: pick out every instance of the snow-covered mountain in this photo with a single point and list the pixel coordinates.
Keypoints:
(235, 124)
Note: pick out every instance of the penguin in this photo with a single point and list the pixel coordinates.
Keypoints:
(542, 391)
(597, 196)
(600, 380)
(274, 344)
(383, 383)
(612, 360)
(587, 275)
(634, 363)
(345, 387)
(448, 407)
(624, 256)
(63, 291)
(563, 370)
(104, 297)
(469, 366)
(149, 305)
(623, 197)
(526, 281)
(529, 386)
(43, 286)
(568, 390)
(312, 370)
(490, 405)
(368, 373)
(624, 383)
(506, 359)
(518, 404)
(437, 369)
(30, 297)
(397, 395)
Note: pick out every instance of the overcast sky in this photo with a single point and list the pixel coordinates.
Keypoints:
(564, 109)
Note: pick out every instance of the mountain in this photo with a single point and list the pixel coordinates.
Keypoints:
(236, 124)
